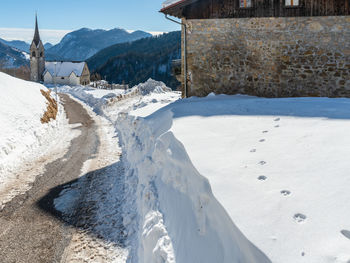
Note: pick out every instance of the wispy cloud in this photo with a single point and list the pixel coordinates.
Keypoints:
(25, 34)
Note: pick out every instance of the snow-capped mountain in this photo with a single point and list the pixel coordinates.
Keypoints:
(21, 45)
(84, 43)
(18, 44)
(12, 57)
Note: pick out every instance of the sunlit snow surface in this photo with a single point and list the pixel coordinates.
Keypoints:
(26, 144)
(278, 167)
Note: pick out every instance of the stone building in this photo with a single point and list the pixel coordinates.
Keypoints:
(270, 48)
(64, 73)
(67, 73)
(37, 56)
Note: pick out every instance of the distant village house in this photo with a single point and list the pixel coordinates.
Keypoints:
(270, 48)
(64, 73)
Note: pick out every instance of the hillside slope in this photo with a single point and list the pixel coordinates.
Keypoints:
(20, 45)
(84, 43)
(24, 138)
(11, 57)
(140, 60)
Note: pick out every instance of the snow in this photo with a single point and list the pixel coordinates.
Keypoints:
(230, 178)
(99, 93)
(279, 167)
(64, 69)
(20, 114)
(109, 184)
(100, 237)
(24, 140)
(26, 55)
(180, 219)
(158, 192)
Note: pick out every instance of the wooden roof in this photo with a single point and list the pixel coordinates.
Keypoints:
(213, 9)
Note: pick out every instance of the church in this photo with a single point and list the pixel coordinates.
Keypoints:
(50, 72)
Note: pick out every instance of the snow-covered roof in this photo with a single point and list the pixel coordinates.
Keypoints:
(175, 5)
(64, 69)
(169, 3)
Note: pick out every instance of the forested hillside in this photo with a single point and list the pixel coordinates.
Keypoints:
(11, 57)
(84, 43)
(135, 62)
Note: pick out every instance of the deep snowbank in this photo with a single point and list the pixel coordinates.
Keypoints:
(26, 144)
(170, 213)
(179, 219)
(21, 107)
(277, 167)
(102, 100)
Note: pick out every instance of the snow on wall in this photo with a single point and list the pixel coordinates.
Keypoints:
(178, 219)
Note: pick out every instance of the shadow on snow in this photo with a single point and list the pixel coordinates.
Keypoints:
(92, 203)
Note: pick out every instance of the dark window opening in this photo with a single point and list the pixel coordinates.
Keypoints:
(33, 54)
(41, 54)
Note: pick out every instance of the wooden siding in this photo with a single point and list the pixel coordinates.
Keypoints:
(205, 9)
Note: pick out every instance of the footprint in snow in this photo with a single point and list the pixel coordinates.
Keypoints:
(262, 140)
(253, 150)
(299, 218)
(285, 192)
(265, 131)
(277, 119)
(262, 178)
(346, 233)
(262, 162)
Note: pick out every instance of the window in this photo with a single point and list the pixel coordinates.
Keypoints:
(245, 3)
(33, 54)
(62, 77)
(292, 2)
(41, 54)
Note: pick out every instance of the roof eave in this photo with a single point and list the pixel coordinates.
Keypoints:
(175, 9)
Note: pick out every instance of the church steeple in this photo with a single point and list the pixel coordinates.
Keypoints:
(37, 56)
(36, 39)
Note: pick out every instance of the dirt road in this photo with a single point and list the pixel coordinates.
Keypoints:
(31, 230)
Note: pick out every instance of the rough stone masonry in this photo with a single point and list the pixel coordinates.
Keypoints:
(270, 57)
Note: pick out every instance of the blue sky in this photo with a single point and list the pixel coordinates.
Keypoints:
(70, 15)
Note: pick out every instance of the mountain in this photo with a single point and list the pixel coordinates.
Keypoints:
(84, 43)
(135, 62)
(48, 46)
(11, 57)
(20, 45)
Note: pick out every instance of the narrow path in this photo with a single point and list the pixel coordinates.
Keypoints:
(31, 230)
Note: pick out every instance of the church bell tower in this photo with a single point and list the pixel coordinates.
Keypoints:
(37, 56)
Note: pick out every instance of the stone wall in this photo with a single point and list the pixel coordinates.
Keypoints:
(270, 57)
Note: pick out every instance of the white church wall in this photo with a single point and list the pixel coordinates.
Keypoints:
(62, 80)
(48, 78)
